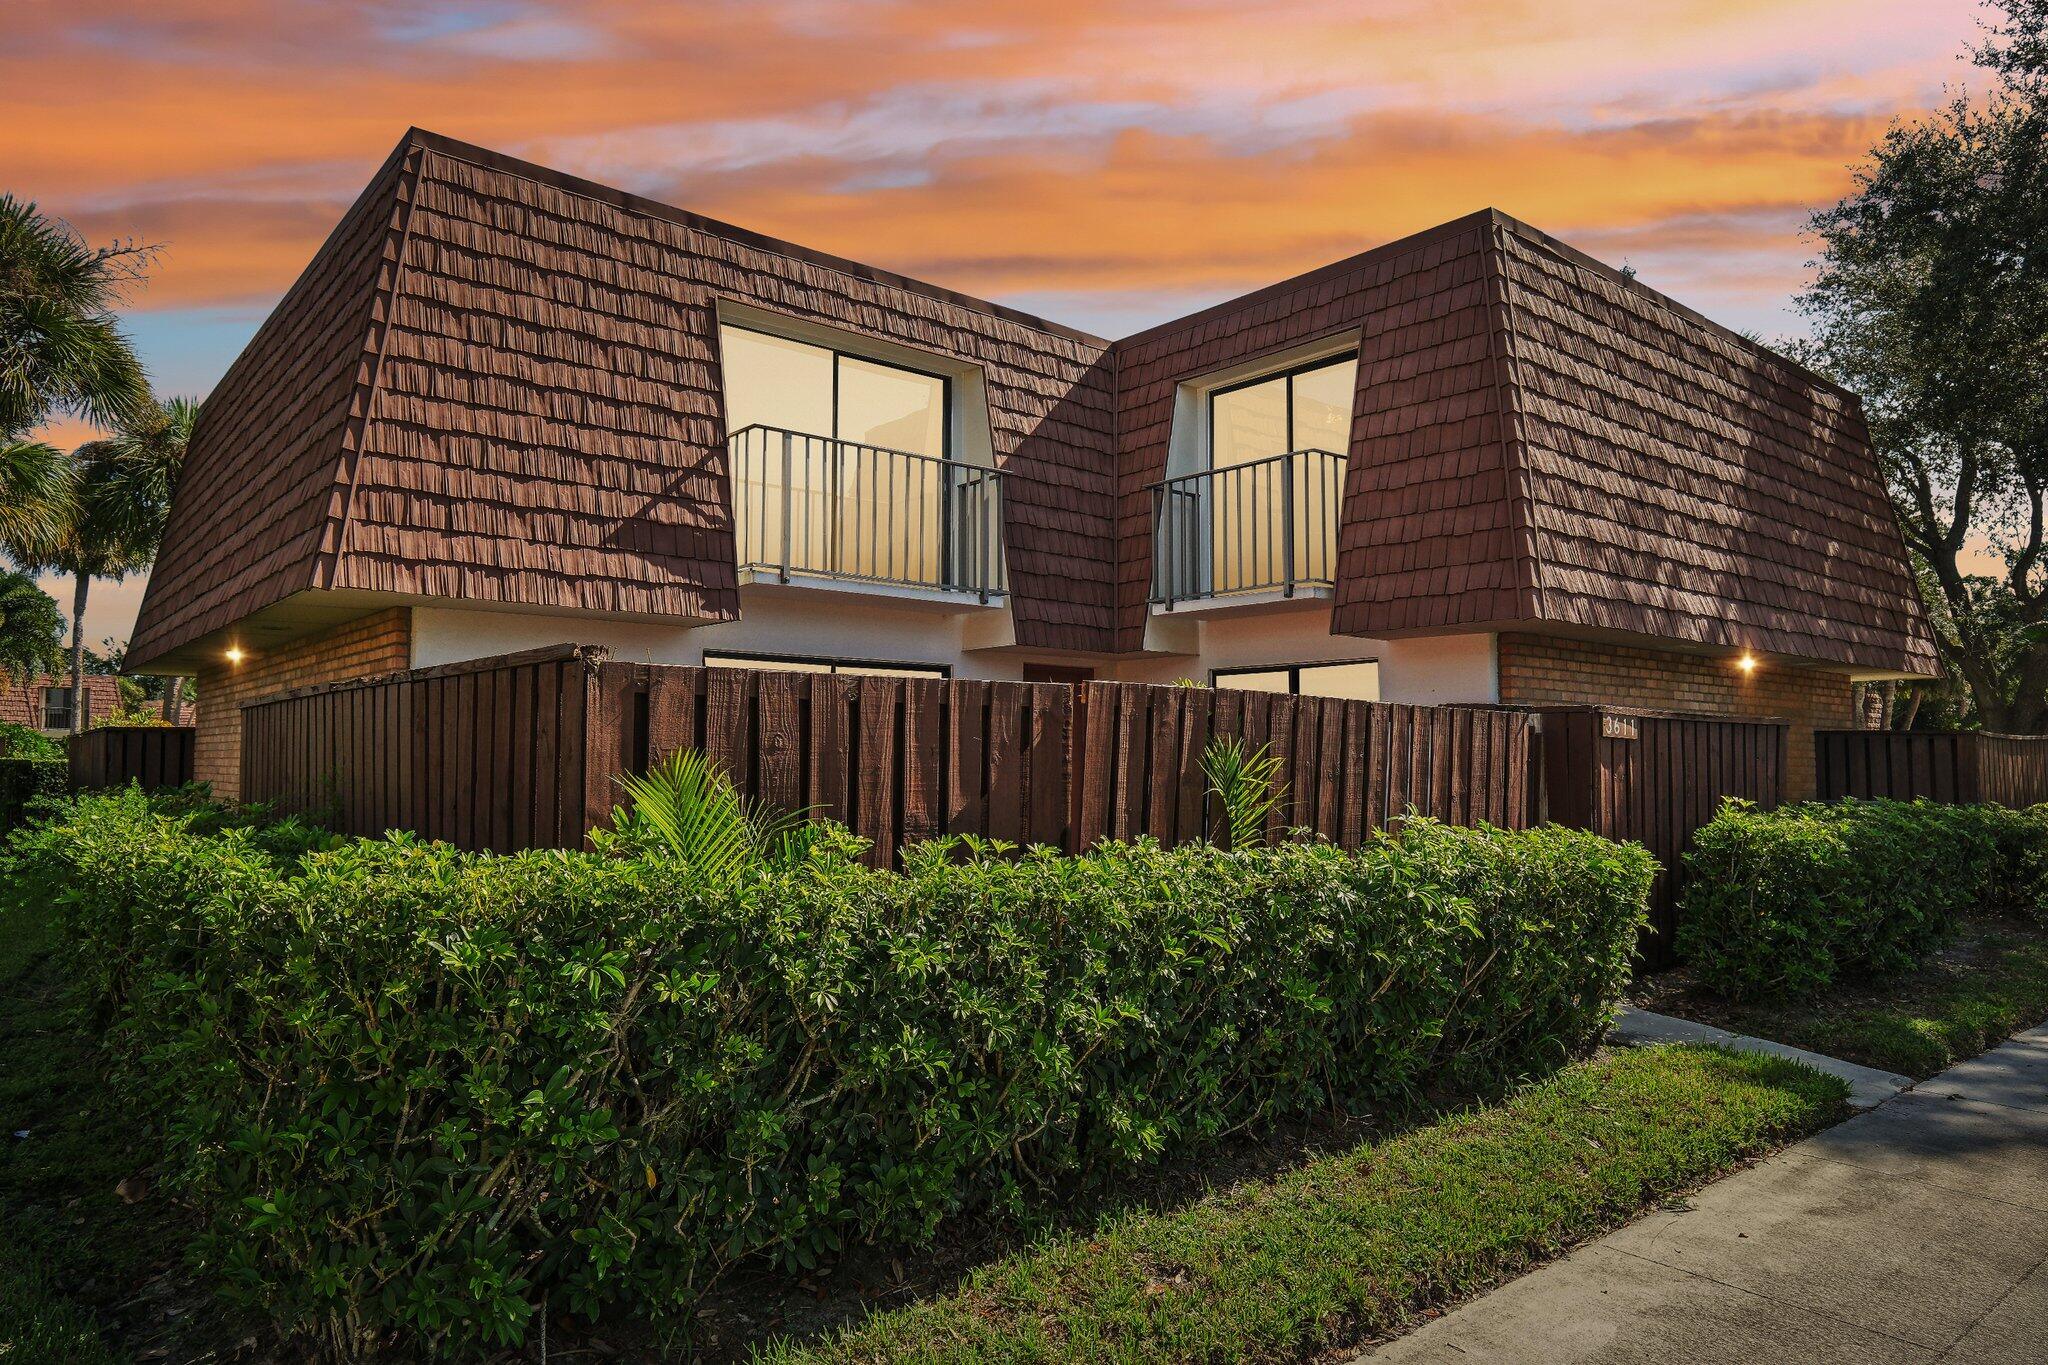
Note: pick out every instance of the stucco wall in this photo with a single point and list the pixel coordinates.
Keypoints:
(362, 648)
(1441, 669)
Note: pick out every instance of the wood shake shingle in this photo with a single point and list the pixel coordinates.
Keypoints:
(497, 383)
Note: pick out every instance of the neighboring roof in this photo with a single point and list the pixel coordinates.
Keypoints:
(498, 383)
(22, 703)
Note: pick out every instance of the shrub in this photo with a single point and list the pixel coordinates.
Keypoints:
(1786, 903)
(23, 780)
(18, 741)
(420, 1095)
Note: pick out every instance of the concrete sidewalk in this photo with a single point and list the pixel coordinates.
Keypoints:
(1915, 1232)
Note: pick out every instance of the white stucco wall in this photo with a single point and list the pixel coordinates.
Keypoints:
(832, 625)
(1426, 671)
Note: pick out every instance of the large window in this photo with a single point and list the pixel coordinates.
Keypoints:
(772, 381)
(840, 465)
(792, 663)
(1353, 680)
(1302, 409)
(1276, 449)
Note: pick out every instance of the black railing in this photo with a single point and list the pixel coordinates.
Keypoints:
(1263, 526)
(812, 505)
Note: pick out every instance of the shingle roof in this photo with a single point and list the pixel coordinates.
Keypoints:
(497, 382)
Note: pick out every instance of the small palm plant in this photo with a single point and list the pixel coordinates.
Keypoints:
(1245, 783)
(688, 807)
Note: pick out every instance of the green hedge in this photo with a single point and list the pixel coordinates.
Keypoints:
(1786, 903)
(18, 741)
(24, 779)
(419, 1094)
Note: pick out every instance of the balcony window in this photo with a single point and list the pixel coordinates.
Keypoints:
(1354, 680)
(842, 467)
(56, 708)
(1262, 515)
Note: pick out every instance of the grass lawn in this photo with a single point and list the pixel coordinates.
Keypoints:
(1358, 1245)
(1330, 1251)
(1989, 984)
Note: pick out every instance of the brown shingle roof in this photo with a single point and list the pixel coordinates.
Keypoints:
(498, 382)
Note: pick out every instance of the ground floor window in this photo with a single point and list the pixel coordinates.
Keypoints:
(804, 663)
(1353, 679)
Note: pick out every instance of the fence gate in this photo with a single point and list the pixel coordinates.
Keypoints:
(1656, 777)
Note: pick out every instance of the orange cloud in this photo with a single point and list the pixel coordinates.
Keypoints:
(1008, 145)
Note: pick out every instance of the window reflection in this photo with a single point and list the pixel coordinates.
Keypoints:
(856, 504)
(1279, 421)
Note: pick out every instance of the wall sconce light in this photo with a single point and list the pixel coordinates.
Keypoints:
(1747, 663)
(234, 654)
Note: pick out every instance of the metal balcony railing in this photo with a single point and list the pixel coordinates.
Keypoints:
(1264, 526)
(812, 505)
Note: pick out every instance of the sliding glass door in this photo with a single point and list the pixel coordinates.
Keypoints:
(841, 458)
(1276, 456)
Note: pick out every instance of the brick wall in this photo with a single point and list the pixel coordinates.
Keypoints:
(374, 644)
(1540, 668)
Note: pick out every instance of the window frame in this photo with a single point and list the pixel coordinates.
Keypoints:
(722, 658)
(70, 707)
(1293, 672)
(1288, 374)
(947, 441)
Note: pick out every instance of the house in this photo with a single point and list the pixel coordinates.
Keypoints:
(44, 703)
(506, 407)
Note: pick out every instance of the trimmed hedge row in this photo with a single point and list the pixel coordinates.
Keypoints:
(1786, 903)
(420, 1095)
(24, 779)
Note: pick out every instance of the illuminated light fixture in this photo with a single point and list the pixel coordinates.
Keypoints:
(234, 654)
(1747, 663)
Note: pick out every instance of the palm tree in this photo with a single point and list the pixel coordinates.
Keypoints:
(62, 352)
(119, 494)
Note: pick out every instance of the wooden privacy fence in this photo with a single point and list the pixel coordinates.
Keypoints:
(2011, 770)
(492, 754)
(524, 751)
(113, 755)
(1656, 777)
(1346, 767)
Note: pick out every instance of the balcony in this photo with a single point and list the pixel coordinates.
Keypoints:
(1247, 534)
(818, 512)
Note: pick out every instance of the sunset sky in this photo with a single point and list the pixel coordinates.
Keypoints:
(1107, 164)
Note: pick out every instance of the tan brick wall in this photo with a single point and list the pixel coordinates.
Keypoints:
(1535, 669)
(375, 644)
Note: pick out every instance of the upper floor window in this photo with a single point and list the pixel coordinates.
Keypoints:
(1306, 408)
(843, 470)
(772, 381)
(56, 708)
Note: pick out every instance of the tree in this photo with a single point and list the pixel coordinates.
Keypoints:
(61, 352)
(120, 500)
(1931, 300)
(30, 629)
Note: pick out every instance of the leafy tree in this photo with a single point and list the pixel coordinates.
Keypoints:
(30, 628)
(61, 352)
(1931, 300)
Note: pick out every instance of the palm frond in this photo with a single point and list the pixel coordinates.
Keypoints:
(1244, 783)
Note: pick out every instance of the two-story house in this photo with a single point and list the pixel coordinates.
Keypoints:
(506, 407)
